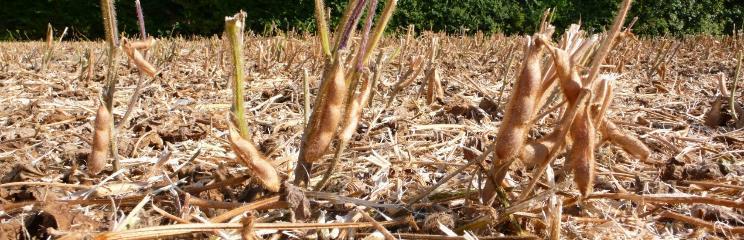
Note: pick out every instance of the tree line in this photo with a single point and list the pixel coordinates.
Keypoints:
(24, 19)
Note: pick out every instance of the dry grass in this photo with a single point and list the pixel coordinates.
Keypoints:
(173, 148)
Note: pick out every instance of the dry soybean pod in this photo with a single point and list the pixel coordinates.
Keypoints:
(259, 166)
(513, 130)
(536, 152)
(324, 120)
(605, 90)
(581, 155)
(239, 138)
(101, 140)
(139, 60)
(352, 116)
(433, 80)
(103, 127)
(354, 102)
(630, 144)
(570, 81)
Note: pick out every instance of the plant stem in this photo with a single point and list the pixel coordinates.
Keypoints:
(349, 26)
(387, 13)
(141, 82)
(306, 97)
(322, 27)
(505, 74)
(606, 45)
(109, 21)
(343, 22)
(234, 27)
(732, 98)
(140, 19)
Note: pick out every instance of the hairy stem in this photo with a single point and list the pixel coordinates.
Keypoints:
(109, 21)
(234, 27)
(322, 26)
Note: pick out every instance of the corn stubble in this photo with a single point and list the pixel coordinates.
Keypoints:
(434, 90)
(584, 119)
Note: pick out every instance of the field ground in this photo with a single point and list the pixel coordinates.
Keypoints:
(175, 144)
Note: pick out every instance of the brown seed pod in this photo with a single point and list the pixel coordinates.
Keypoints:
(434, 88)
(630, 144)
(326, 115)
(513, 130)
(518, 115)
(49, 36)
(354, 112)
(138, 58)
(324, 120)
(536, 152)
(581, 155)
(603, 94)
(101, 141)
(259, 166)
(142, 45)
(570, 81)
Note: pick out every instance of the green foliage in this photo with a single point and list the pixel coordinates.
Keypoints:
(24, 19)
(687, 16)
(457, 15)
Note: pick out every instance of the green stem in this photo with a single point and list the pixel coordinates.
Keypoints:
(322, 27)
(234, 27)
(387, 13)
(344, 19)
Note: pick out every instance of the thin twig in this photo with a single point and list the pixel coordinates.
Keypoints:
(377, 225)
(50, 184)
(721, 228)
(179, 229)
(251, 206)
(670, 199)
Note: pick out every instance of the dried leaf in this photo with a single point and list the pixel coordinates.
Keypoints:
(297, 201)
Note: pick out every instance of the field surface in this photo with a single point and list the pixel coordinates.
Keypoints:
(178, 170)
